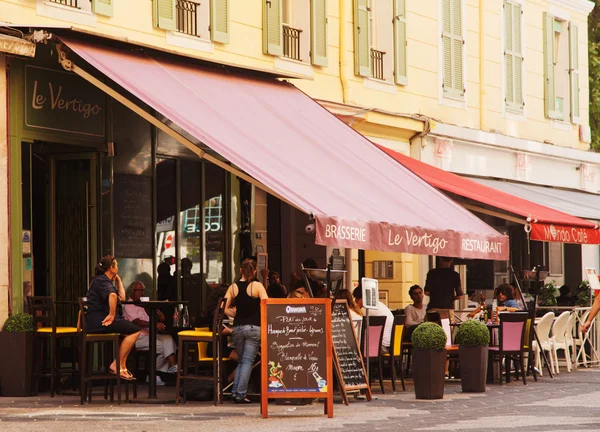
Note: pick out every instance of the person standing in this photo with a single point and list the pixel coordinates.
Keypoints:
(443, 287)
(247, 294)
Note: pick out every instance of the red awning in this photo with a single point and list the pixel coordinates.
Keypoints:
(360, 198)
(546, 224)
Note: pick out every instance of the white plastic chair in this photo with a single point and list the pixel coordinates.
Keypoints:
(579, 340)
(559, 340)
(543, 334)
(569, 336)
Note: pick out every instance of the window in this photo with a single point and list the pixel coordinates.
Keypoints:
(561, 69)
(555, 258)
(207, 20)
(380, 44)
(453, 49)
(296, 29)
(513, 57)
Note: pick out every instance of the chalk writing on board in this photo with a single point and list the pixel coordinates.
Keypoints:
(296, 348)
(344, 343)
(133, 219)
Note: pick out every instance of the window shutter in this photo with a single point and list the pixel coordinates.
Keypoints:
(400, 73)
(318, 26)
(549, 93)
(272, 28)
(518, 56)
(447, 46)
(362, 43)
(219, 21)
(513, 57)
(165, 15)
(509, 58)
(103, 7)
(457, 51)
(574, 71)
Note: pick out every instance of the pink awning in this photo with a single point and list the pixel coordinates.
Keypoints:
(360, 197)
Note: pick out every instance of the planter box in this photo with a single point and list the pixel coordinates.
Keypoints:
(429, 367)
(473, 368)
(16, 364)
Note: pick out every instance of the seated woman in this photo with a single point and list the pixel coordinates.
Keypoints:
(506, 303)
(105, 312)
(355, 312)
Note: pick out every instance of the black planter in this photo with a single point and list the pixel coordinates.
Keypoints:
(429, 367)
(473, 368)
(16, 364)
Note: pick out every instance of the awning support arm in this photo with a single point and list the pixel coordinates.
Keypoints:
(494, 213)
(72, 67)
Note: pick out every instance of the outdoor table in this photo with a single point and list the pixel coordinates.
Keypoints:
(151, 307)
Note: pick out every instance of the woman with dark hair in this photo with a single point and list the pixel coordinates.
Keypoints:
(247, 293)
(105, 312)
(506, 300)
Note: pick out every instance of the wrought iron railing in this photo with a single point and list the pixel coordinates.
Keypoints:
(291, 42)
(70, 3)
(187, 17)
(377, 64)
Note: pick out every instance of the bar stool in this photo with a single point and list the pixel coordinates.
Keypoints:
(202, 336)
(47, 333)
(107, 341)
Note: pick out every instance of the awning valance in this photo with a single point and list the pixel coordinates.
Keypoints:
(547, 224)
(360, 198)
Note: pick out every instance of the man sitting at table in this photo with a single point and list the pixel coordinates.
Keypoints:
(165, 345)
(416, 312)
(382, 310)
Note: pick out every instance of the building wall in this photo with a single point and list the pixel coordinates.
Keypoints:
(4, 207)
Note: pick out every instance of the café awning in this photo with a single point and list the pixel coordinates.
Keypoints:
(294, 148)
(546, 223)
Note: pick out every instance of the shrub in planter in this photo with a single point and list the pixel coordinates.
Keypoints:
(17, 362)
(473, 338)
(548, 294)
(429, 360)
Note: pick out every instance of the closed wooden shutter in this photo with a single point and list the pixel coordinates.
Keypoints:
(549, 90)
(103, 7)
(318, 27)
(272, 29)
(400, 68)
(513, 57)
(165, 15)
(453, 49)
(219, 21)
(574, 72)
(362, 42)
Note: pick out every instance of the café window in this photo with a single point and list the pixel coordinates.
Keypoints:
(214, 211)
(166, 238)
(554, 253)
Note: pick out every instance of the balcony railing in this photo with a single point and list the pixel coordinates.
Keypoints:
(377, 64)
(291, 42)
(70, 3)
(187, 17)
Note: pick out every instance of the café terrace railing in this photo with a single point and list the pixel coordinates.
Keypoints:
(187, 17)
(70, 3)
(291, 42)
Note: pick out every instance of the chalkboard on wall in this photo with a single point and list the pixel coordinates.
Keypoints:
(296, 350)
(348, 361)
(133, 216)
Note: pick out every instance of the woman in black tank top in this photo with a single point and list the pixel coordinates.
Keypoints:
(247, 293)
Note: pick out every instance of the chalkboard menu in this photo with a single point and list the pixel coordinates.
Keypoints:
(296, 350)
(351, 369)
(133, 216)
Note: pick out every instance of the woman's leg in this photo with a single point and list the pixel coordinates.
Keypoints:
(127, 345)
(240, 342)
(251, 347)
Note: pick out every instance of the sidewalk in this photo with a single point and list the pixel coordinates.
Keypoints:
(567, 402)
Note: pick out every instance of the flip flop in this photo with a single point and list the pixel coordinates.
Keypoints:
(125, 374)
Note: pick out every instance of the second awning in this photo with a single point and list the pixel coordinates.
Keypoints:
(359, 197)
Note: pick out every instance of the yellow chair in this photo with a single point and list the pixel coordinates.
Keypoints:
(395, 353)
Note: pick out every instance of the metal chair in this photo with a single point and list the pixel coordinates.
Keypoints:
(395, 353)
(87, 375)
(372, 353)
(47, 333)
(512, 331)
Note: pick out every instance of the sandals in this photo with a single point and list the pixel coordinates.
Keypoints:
(125, 374)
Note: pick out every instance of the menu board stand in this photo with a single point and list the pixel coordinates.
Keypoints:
(296, 351)
(348, 361)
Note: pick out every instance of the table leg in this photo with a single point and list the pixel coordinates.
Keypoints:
(152, 365)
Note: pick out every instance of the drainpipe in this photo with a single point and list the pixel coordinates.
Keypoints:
(481, 66)
(342, 51)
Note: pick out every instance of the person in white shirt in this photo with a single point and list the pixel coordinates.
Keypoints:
(382, 310)
(416, 312)
(165, 345)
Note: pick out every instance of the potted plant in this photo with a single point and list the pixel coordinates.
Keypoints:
(429, 360)
(473, 339)
(583, 294)
(16, 363)
(547, 295)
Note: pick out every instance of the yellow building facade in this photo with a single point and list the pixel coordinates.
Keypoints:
(508, 76)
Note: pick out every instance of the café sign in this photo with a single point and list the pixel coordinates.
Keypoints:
(57, 101)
